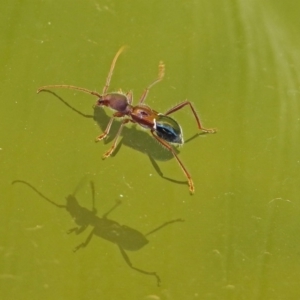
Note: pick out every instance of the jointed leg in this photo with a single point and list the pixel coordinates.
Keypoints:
(186, 173)
(112, 69)
(106, 131)
(113, 147)
(129, 96)
(161, 74)
(184, 103)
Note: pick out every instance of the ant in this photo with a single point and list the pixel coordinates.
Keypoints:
(125, 237)
(163, 128)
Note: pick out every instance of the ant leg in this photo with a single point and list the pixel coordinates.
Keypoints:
(71, 87)
(184, 103)
(113, 147)
(161, 74)
(107, 83)
(106, 131)
(185, 171)
(129, 96)
(128, 262)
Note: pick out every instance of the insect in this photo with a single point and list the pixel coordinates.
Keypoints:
(125, 237)
(163, 128)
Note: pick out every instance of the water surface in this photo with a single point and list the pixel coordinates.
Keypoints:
(238, 62)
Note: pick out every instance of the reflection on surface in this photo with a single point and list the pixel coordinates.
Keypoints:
(124, 237)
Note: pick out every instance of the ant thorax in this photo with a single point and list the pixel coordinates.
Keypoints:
(143, 115)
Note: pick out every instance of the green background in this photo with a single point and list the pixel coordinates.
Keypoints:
(238, 62)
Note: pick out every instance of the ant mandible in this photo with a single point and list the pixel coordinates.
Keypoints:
(162, 127)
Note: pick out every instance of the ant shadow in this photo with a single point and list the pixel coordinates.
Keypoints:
(125, 237)
(132, 137)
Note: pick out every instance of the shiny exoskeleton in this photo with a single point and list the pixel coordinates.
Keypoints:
(162, 127)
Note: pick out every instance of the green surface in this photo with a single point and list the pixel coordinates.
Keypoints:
(238, 62)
